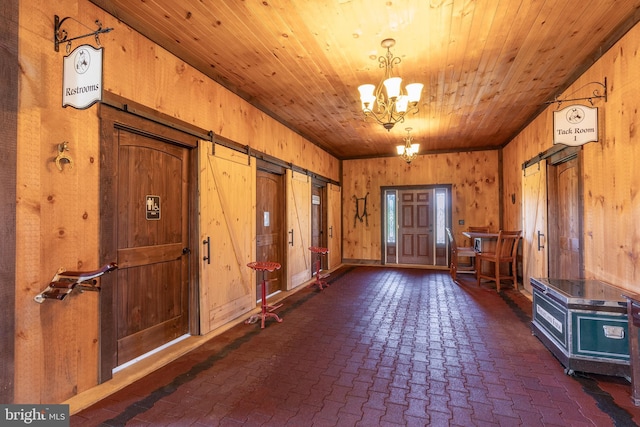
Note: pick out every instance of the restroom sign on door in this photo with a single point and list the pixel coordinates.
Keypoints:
(153, 207)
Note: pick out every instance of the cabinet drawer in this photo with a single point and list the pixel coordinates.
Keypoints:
(600, 335)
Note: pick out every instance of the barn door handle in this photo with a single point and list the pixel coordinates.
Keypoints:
(291, 233)
(331, 232)
(207, 257)
(540, 245)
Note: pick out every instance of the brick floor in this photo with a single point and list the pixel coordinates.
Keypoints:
(380, 347)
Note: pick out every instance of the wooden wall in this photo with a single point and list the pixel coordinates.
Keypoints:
(475, 193)
(57, 343)
(9, 70)
(611, 181)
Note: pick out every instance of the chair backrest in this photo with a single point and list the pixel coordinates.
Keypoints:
(507, 245)
(479, 229)
(452, 241)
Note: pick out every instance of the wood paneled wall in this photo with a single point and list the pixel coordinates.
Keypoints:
(475, 193)
(9, 69)
(611, 181)
(57, 342)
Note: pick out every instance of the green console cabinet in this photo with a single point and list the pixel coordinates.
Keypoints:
(584, 323)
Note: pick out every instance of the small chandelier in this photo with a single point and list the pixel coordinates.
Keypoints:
(409, 151)
(392, 108)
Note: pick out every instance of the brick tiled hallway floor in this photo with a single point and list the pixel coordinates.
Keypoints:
(379, 347)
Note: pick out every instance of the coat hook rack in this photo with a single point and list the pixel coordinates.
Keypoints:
(60, 35)
(595, 94)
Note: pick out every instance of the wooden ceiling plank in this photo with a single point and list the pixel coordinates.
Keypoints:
(301, 62)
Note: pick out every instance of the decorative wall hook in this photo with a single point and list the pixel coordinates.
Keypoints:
(62, 156)
(361, 209)
(595, 94)
(60, 35)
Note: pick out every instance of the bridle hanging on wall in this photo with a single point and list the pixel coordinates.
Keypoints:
(361, 209)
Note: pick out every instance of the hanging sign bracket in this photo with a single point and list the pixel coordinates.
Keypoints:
(595, 94)
(60, 35)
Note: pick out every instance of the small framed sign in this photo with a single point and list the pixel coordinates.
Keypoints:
(575, 125)
(82, 77)
(153, 207)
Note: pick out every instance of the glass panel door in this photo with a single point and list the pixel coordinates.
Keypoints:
(414, 222)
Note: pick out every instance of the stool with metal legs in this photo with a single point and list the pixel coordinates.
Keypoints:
(320, 282)
(267, 310)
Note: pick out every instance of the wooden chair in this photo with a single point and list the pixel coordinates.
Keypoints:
(459, 251)
(505, 252)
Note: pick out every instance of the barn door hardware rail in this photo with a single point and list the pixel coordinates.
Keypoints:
(60, 35)
(65, 282)
(595, 94)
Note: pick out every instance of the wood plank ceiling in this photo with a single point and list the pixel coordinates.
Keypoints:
(488, 66)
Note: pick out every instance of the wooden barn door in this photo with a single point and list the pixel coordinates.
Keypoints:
(334, 224)
(270, 235)
(534, 241)
(298, 228)
(152, 240)
(415, 227)
(227, 218)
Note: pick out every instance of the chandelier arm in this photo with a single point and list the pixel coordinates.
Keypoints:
(385, 118)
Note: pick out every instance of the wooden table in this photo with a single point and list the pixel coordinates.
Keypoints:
(481, 241)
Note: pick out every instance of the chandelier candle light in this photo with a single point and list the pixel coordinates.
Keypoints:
(408, 151)
(392, 108)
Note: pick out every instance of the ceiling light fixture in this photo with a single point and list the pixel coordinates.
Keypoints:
(392, 108)
(409, 151)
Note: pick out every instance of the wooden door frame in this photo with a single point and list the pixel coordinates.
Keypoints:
(116, 113)
(271, 168)
(383, 205)
(552, 162)
(324, 238)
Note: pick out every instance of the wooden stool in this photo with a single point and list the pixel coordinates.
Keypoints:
(267, 310)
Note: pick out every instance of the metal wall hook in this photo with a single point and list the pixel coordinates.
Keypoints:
(62, 156)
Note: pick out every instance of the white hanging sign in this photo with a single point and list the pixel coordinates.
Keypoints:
(575, 125)
(82, 77)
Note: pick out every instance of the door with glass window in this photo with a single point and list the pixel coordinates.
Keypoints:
(414, 221)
